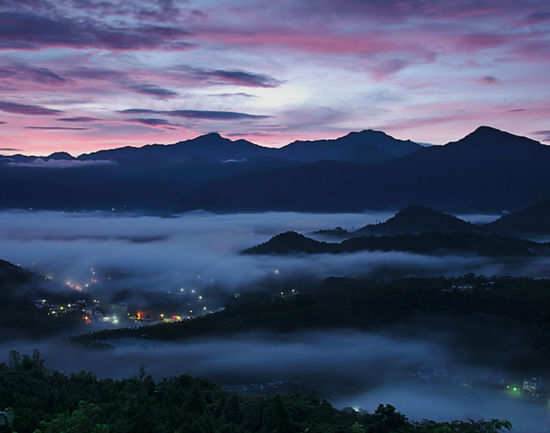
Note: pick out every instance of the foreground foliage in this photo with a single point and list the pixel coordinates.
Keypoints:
(45, 401)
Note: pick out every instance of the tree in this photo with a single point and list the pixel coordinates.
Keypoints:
(85, 419)
(232, 410)
(275, 417)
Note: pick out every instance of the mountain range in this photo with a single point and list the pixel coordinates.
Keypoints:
(366, 147)
(423, 230)
(533, 220)
(290, 243)
(488, 170)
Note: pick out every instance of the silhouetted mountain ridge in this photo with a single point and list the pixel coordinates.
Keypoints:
(534, 219)
(424, 243)
(488, 170)
(366, 146)
(418, 219)
(10, 274)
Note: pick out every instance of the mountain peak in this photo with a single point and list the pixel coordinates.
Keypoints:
(485, 129)
(213, 134)
(417, 219)
(488, 133)
(212, 137)
(285, 243)
(493, 142)
(60, 155)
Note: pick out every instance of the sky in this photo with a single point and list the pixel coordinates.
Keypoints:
(84, 75)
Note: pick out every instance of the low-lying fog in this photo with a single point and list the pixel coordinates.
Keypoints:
(349, 368)
(352, 369)
(158, 253)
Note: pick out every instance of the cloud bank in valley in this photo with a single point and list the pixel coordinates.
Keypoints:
(60, 163)
(158, 253)
(349, 368)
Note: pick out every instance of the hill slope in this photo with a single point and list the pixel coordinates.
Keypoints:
(534, 219)
(487, 170)
(365, 147)
(418, 219)
(424, 243)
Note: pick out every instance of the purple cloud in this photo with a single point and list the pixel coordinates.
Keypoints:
(78, 119)
(151, 89)
(488, 79)
(56, 128)
(27, 30)
(234, 77)
(389, 67)
(543, 134)
(96, 73)
(153, 122)
(230, 95)
(196, 114)
(27, 73)
(12, 107)
(538, 17)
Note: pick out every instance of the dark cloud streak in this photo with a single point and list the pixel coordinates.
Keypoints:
(26, 30)
(196, 114)
(28, 73)
(78, 119)
(151, 121)
(15, 108)
(151, 89)
(56, 128)
(234, 77)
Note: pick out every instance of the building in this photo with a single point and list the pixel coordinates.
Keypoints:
(14, 359)
(533, 386)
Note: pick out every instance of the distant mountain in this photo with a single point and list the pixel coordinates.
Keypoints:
(417, 219)
(292, 243)
(534, 220)
(60, 155)
(206, 148)
(425, 243)
(366, 147)
(488, 170)
(337, 232)
(11, 274)
(412, 219)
